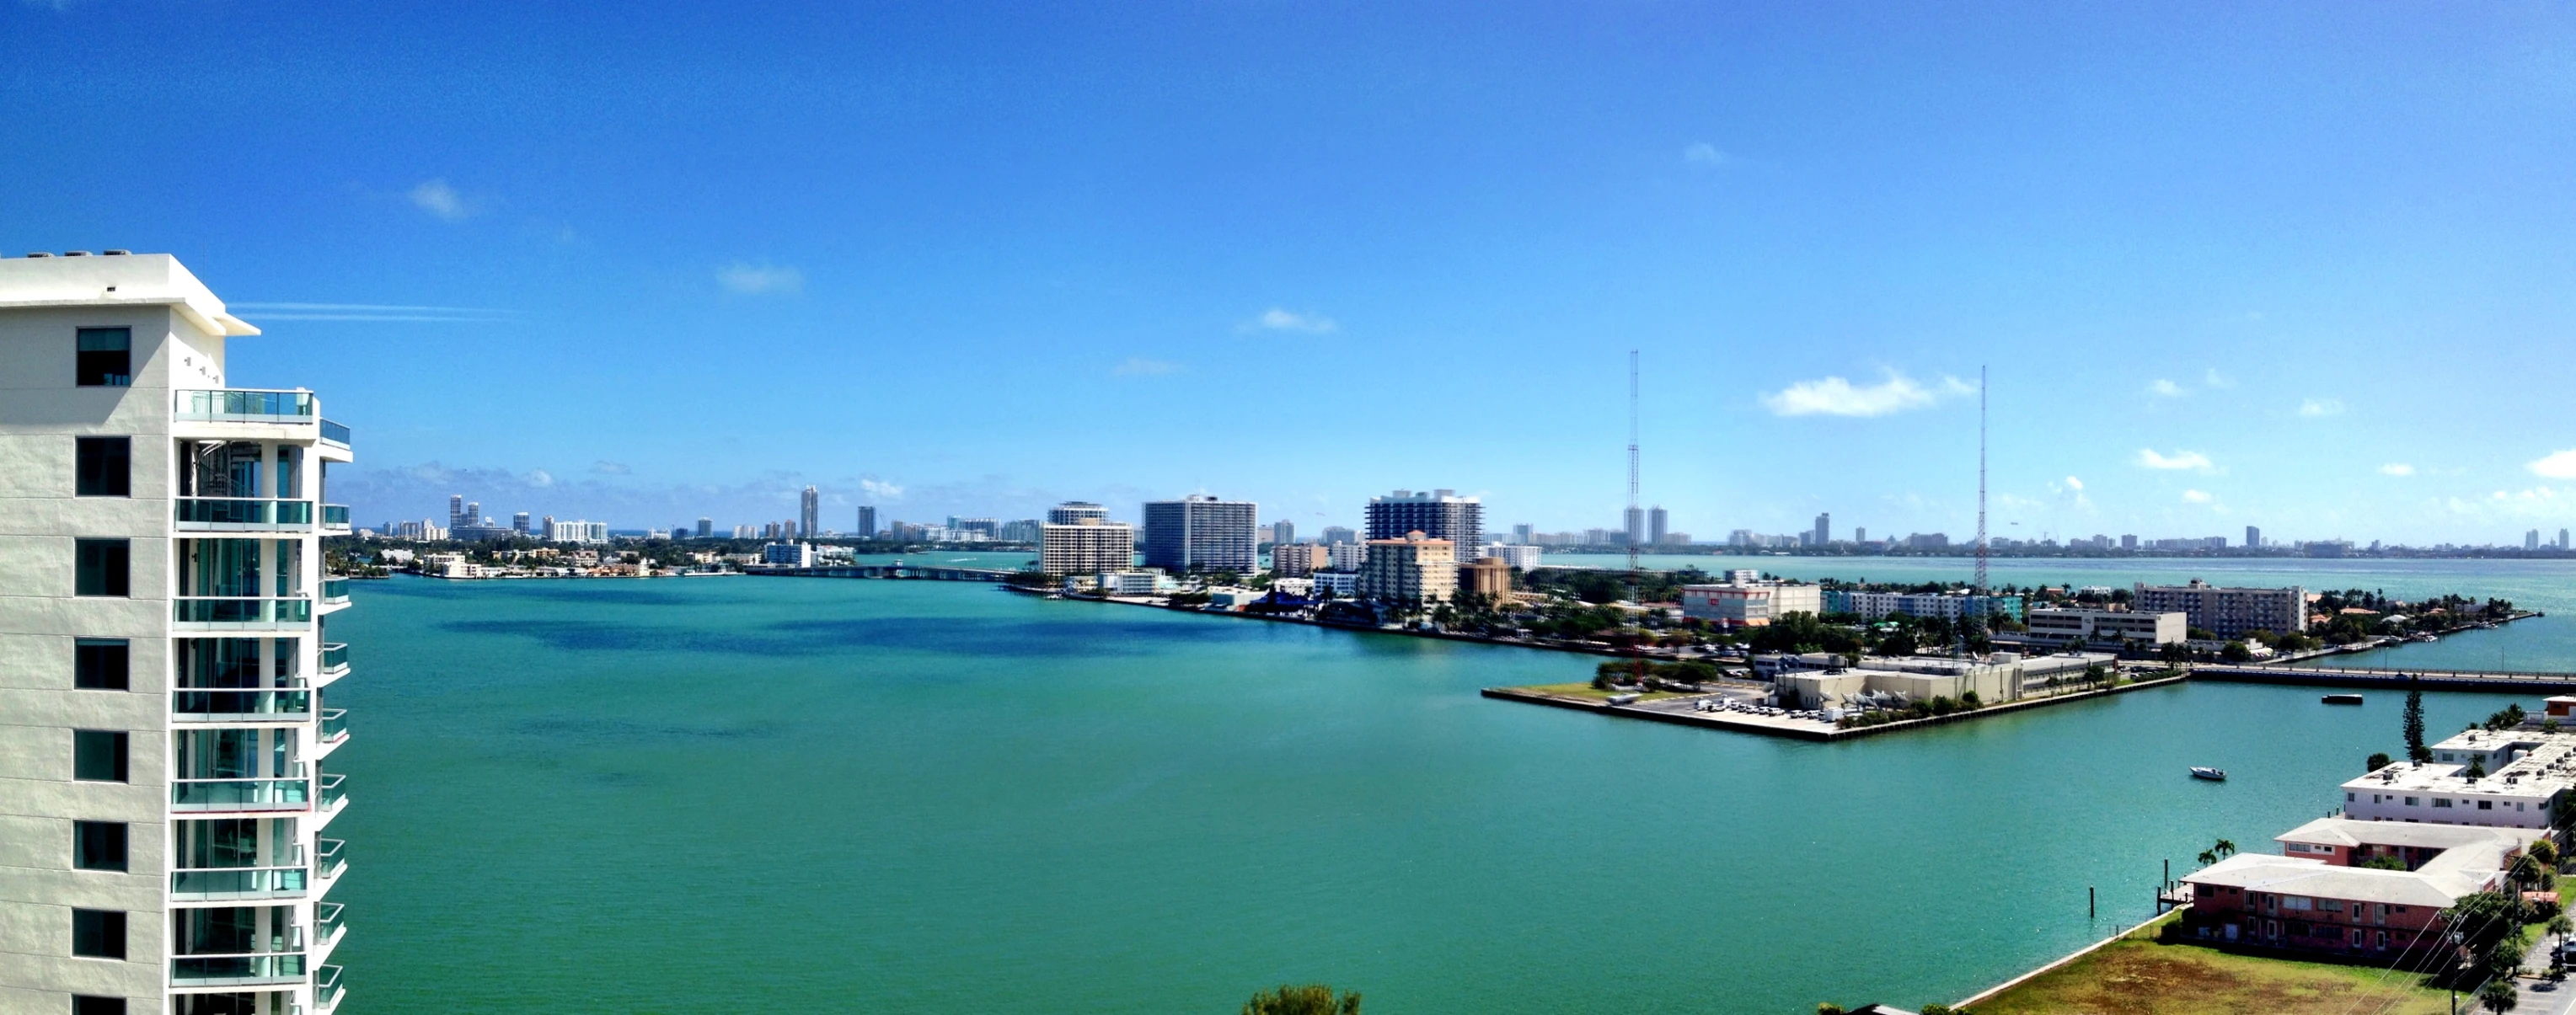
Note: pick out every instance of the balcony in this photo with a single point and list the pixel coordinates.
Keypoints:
(293, 704)
(198, 796)
(335, 591)
(334, 433)
(332, 796)
(250, 970)
(335, 517)
(232, 514)
(326, 988)
(335, 725)
(290, 408)
(335, 659)
(224, 884)
(226, 613)
(330, 857)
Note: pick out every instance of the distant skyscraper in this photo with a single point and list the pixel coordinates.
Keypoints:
(456, 510)
(2253, 538)
(1438, 514)
(1657, 525)
(1283, 531)
(1635, 529)
(1859, 534)
(1523, 534)
(2562, 539)
(1824, 529)
(867, 521)
(2128, 542)
(810, 520)
(2531, 540)
(1339, 534)
(519, 522)
(1073, 512)
(1202, 534)
(706, 528)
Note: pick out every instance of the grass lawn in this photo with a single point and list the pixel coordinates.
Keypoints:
(1590, 693)
(2137, 976)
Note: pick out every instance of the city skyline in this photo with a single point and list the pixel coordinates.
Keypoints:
(1029, 213)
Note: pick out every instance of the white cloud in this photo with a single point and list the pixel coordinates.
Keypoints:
(2321, 407)
(746, 279)
(2215, 379)
(2163, 388)
(540, 478)
(2397, 469)
(881, 490)
(2561, 465)
(437, 198)
(2199, 497)
(2178, 461)
(1284, 319)
(1703, 153)
(2073, 483)
(1139, 366)
(1834, 396)
(608, 468)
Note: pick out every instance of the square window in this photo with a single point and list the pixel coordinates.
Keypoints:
(84, 1004)
(99, 664)
(98, 845)
(105, 358)
(98, 755)
(104, 466)
(98, 933)
(101, 567)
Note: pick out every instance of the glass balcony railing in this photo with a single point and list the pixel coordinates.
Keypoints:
(326, 988)
(329, 859)
(244, 610)
(335, 591)
(334, 433)
(335, 516)
(238, 512)
(327, 923)
(335, 724)
(202, 705)
(332, 795)
(240, 794)
(236, 406)
(239, 883)
(236, 970)
(335, 655)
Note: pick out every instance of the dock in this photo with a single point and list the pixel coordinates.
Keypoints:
(2388, 679)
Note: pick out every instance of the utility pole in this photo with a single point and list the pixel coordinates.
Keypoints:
(1981, 481)
(1629, 520)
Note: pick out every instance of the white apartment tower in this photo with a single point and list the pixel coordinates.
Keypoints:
(164, 658)
(809, 519)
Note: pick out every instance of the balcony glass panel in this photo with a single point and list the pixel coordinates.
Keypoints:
(242, 511)
(245, 882)
(202, 970)
(293, 703)
(329, 858)
(335, 590)
(335, 723)
(230, 610)
(335, 433)
(335, 655)
(332, 794)
(247, 406)
(241, 794)
(335, 516)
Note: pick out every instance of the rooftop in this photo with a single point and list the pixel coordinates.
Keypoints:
(115, 280)
(2353, 832)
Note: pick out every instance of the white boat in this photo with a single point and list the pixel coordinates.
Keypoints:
(2211, 774)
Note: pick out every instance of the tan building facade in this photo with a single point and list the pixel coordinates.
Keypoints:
(1414, 569)
(1085, 546)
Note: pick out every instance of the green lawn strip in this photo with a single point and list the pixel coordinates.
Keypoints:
(2137, 976)
(1590, 692)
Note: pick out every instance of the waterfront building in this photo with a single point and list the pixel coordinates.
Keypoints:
(1632, 530)
(2253, 538)
(1521, 534)
(1339, 534)
(1749, 604)
(706, 528)
(1072, 512)
(1416, 569)
(1824, 530)
(1346, 556)
(1439, 514)
(1295, 560)
(2227, 612)
(1090, 544)
(2317, 895)
(1518, 557)
(1133, 583)
(1821, 680)
(1658, 524)
(739, 531)
(1488, 577)
(1025, 530)
(519, 524)
(165, 637)
(456, 510)
(2084, 627)
(2522, 774)
(809, 513)
(986, 527)
(867, 525)
(1201, 534)
(2128, 542)
(788, 554)
(1343, 584)
(576, 532)
(2531, 539)
(1949, 606)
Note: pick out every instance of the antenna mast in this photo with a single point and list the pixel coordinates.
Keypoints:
(1631, 520)
(1981, 481)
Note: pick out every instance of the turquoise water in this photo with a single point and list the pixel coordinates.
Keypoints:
(772, 794)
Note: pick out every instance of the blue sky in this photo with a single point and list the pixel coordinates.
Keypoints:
(2302, 267)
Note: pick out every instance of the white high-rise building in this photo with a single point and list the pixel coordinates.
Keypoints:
(1087, 545)
(809, 519)
(164, 643)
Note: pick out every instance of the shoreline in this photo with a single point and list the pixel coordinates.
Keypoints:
(1718, 720)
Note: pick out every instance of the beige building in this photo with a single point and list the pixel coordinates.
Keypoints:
(1293, 560)
(1085, 545)
(2088, 626)
(1488, 577)
(1750, 604)
(1414, 569)
(2227, 612)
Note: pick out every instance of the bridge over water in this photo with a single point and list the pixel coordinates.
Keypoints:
(896, 570)
(2391, 679)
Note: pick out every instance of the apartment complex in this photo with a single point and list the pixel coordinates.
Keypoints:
(1202, 534)
(1297, 560)
(1085, 545)
(2227, 612)
(2084, 627)
(2317, 896)
(1749, 604)
(164, 655)
(1947, 605)
(1439, 514)
(1414, 569)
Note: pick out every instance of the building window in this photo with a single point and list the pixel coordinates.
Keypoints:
(98, 845)
(104, 466)
(2486, 805)
(2441, 801)
(101, 568)
(2410, 801)
(99, 664)
(98, 933)
(98, 755)
(83, 1004)
(106, 358)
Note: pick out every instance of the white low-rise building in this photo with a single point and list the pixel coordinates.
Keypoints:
(2084, 627)
(1750, 605)
(1342, 584)
(1521, 558)
(1135, 583)
(2524, 772)
(788, 554)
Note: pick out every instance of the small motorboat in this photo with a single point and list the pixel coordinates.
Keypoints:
(2342, 699)
(2211, 774)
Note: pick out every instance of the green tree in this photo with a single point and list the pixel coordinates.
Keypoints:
(2499, 995)
(1829, 1008)
(1311, 999)
(2378, 760)
(2236, 652)
(2414, 728)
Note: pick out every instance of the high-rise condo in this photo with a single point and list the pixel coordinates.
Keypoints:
(810, 519)
(1439, 514)
(1202, 534)
(164, 646)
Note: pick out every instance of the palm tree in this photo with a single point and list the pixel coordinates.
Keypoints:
(2225, 848)
(2498, 995)
(2207, 857)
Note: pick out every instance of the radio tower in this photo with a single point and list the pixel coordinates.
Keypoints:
(1629, 520)
(1981, 481)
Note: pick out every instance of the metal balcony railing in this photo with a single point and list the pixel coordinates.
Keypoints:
(231, 705)
(238, 882)
(330, 857)
(335, 516)
(219, 513)
(335, 591)
(335, 724)
(331, 793)
(240, 610)
(247, 406)
(241, 794)
(251, 969)
(335, 656)
(326, 987)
